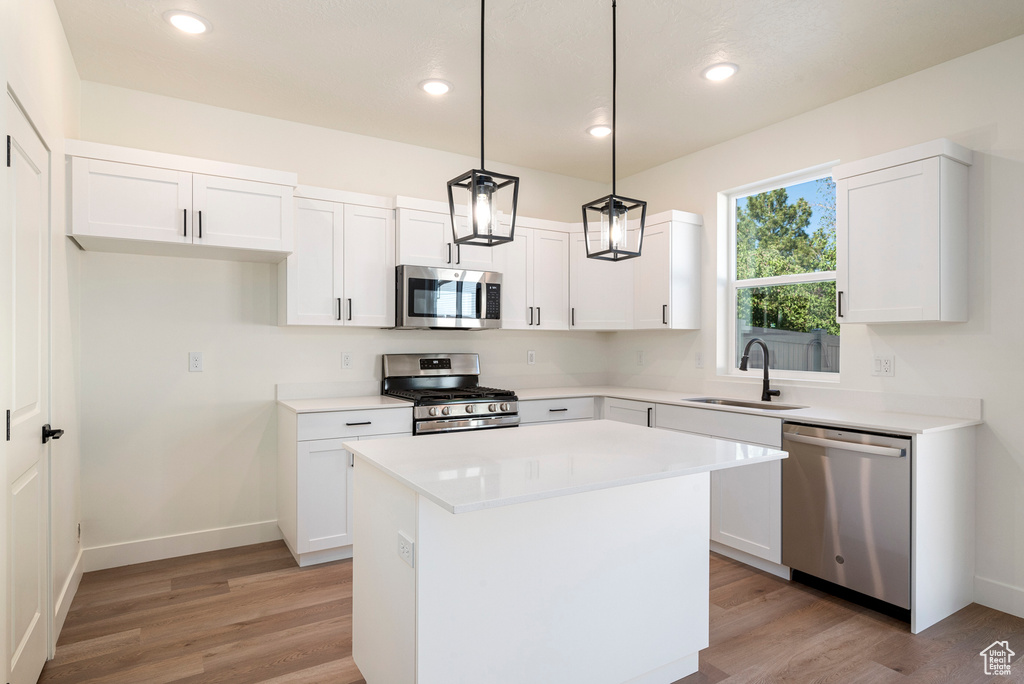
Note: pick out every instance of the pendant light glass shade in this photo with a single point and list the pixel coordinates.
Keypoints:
(613, 226)
(489, 198)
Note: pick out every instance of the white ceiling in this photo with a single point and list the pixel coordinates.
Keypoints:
(354, 65)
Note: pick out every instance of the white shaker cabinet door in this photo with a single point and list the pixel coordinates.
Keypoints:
(549, 272)
(314, 284)
(600, 292)
(746, 509)
(111, 199)
(424, 238)
(627, 411)
(324, 495)
(653, 286)
(369, 267)
(888, 244)
(243, 214)
(516, 284)
(475, 257)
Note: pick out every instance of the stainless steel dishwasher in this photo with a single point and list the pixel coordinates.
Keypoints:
(846, 509)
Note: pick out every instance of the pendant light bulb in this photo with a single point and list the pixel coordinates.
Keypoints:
(487, 216)
(619, 230)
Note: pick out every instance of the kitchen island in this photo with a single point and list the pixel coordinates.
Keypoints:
(574, 552)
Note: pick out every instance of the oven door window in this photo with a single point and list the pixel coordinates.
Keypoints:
(444, 298)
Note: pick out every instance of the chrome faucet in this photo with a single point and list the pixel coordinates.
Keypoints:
(766, 392)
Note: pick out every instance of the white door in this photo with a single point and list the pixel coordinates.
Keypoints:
(601, 292)
(424, 238)
(244, 214)
(516, 287)
(109, 199)
(324, 491)
(550, 278)
(746, 509)
(651, 303)
(26, 471)
(314, 284)
(369, 266)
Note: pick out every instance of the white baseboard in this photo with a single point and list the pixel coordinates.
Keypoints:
(63, 603)
(171, 546)
(999, 595)
(751, 560)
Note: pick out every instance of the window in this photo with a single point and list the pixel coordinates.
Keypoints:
(782, 280)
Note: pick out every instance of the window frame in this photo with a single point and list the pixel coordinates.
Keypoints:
(729, 367)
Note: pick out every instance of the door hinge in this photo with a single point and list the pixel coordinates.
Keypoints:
(8, 425)
(8, 151)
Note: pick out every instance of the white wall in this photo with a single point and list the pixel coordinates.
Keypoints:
(37, 67)
(167, 452)
(977, 101)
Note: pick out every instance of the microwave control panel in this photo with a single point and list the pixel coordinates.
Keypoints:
(493, 301)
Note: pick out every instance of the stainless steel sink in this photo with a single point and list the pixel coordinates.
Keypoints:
(766, 405)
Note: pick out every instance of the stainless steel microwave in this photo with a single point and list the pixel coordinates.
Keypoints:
(447, 298)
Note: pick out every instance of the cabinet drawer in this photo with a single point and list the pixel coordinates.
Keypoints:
(739, 427)
(338, 424)
(549, 410)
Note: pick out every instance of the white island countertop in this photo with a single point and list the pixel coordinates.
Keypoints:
(470, 471)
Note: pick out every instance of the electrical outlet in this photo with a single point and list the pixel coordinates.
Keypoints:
(884, 366)
(406, 549)
(698, 359)
(641, 358)
(531, 357)
(346, 360)
(195, 362)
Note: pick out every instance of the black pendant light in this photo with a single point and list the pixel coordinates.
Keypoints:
(492, 197)
(613, 226)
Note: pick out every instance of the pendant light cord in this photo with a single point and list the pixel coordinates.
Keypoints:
(482, 12)
(614, 79)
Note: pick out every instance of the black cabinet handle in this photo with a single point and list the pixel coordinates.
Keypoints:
(839, 305)
(664, 314)
(538, 315)
(557, 410)
(184, 221)
(49, 432)
(449, 252)
(339, 308)
(200, 224)
(458, 254)
(574, 316)
(365, 422)
(531, 315)
(350, 309)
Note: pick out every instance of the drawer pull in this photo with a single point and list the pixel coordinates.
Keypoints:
(558, 410)
(365, 422)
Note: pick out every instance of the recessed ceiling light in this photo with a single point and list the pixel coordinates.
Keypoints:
(599, 131)
(436, 86)
(720, 72)
(187, 21)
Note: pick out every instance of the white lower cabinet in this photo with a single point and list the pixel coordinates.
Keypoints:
(556, 410)
(746, 503)
(314, 497)
(628, 411)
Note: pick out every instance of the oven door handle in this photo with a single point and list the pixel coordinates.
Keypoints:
(872, 449)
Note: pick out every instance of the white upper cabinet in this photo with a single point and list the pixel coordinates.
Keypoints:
(239, 213)
(535, 280)
(127, 200)
(425, 239)
(667, 287)
(111, 199)
(600, 292)
(901, 235)
(342, 270)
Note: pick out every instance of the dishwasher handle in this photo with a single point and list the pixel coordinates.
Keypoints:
(891, 452)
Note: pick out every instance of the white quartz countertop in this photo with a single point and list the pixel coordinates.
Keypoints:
(909, 423)
(375, 401)
(470, 471)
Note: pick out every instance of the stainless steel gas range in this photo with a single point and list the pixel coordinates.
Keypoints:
(446, 393)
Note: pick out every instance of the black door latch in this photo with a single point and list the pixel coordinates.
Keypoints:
(49, 432)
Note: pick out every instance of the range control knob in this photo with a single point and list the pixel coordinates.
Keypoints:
(446, 410)
(504, 407)
(492, 408)
(470, 409)
(433, 412)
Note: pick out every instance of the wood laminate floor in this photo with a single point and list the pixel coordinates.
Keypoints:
(249, 616)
